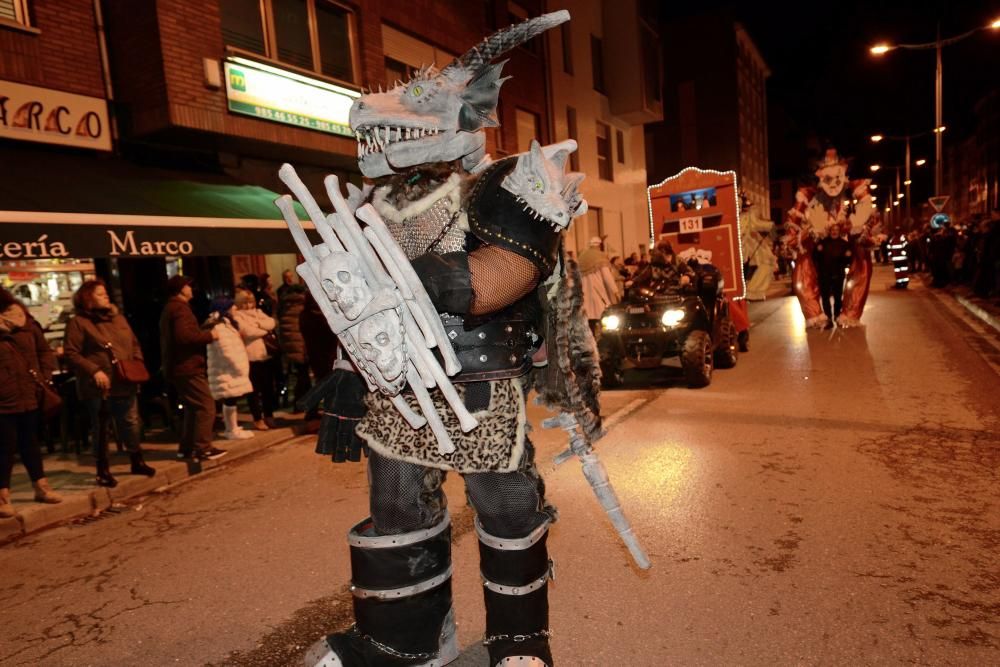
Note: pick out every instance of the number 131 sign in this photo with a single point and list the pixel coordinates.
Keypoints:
(690, 225)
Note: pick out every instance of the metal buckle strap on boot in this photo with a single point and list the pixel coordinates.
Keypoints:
(526, 588)
(516, 638)
(388, 650)
(405, 591)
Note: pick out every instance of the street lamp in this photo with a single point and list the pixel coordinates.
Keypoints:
(873, 186)
(921, 162)
(877, 138)
(907, 138)
(875, 167)
(937, 44)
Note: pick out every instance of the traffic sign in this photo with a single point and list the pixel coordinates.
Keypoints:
(939, 202)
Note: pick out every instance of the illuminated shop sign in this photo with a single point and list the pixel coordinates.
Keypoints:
(30, 113)
(262, 91)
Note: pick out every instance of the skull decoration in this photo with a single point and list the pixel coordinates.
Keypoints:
(381, 339)
(832, 174)
(344, 283)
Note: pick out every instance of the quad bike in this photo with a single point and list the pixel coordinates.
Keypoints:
(660, 320)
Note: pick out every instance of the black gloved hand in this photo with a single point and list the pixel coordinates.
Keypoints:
(342, 396)
(447, 280)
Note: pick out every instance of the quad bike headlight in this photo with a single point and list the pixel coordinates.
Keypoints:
(672, 317)
(611, 322)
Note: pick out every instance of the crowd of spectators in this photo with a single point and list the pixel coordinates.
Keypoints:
(256, 347)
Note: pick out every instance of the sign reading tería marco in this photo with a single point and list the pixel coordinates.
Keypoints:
(30, 113)
(259, 90)
(698, 212)
(24, 241)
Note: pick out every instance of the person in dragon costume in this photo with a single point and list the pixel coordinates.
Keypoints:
(847, 205)
(485, 239)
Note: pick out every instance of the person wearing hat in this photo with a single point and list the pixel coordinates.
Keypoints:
(598, 282)
(182, 348)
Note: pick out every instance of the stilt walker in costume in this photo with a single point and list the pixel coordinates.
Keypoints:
(836, 202)
(445, 291)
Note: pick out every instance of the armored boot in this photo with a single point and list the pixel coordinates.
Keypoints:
(515, 583)
(402, 602)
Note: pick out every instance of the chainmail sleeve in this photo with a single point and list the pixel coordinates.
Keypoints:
(499, 278)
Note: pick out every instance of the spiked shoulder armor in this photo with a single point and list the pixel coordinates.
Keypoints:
(497, 217)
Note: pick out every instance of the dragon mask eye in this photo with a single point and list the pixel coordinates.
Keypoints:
(417, 90)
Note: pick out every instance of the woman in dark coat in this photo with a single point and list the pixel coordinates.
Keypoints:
(96, 326)
(25, 360)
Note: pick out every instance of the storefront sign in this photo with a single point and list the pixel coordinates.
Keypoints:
(30, 113)
(25, 240)
(259, 90)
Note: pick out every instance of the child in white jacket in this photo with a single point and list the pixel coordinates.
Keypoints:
(255, 326)
(228, 367)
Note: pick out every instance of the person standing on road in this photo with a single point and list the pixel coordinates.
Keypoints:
(182, 345)
(833, 255)
(228, 367)
(598, 282)
(97, 335)
(291, 303)
(25, 360)
(256, 327)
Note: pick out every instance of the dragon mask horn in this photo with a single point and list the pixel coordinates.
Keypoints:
(482, 54)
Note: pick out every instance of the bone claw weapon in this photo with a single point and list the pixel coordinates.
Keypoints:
(391, 287)
(597, 475)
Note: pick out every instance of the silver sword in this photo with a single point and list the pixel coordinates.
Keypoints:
(597, 475)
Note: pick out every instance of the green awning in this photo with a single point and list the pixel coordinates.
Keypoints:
(98, 206)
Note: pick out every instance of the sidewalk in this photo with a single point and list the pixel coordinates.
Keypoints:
(73, 477)
(987, 310)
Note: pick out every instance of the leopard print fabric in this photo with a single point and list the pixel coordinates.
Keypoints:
(496, 445)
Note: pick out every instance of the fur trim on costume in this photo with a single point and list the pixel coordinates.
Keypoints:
(451, 188)
(496, 445)
(817, 322)
(572, 380)
(848, 322)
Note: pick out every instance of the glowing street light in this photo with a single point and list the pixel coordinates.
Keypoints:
(939, 129)
(907, 182)
(887, 209)
(921, 162)
(879, 49)
(995, 25)
(877, 138)
(873, 186)
(875, 167)
(895, 203)
(899, 195)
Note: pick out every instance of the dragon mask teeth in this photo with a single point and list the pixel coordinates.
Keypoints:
(375, 139)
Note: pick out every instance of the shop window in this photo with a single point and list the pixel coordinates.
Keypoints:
(604, 167)
(291, 32)
(571, 131)
(567, 47)
(314, 35)
(597, 63)
(620, 139)
(15, 11)
(242, 26)
(527, 129)
(333, 30)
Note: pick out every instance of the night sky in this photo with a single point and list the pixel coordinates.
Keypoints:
(826, 85)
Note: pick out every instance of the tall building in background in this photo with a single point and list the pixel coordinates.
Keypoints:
(715, 104)
(605, 86)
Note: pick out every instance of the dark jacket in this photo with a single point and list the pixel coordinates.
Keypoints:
(291, 304)
(182, 341)
(87, 335)
(320, 342)
(23, 350)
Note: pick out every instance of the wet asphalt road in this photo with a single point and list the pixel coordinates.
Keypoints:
(832, 500)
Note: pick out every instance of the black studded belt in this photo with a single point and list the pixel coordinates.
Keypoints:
(499, 349)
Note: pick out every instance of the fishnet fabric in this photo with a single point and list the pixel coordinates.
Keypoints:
(509, 504)
(404, 497)
(499, 278)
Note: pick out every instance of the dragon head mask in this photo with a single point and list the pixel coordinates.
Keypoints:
(439, 116)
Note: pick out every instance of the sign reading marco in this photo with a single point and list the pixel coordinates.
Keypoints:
(263, 91)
